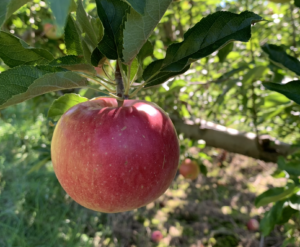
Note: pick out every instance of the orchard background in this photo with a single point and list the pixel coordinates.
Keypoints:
(236, 113)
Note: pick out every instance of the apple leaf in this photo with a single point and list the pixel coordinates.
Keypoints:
(16, 80)
(60, 10)
(72, 38)
(275, 195)
(295, 202)
(271, 217)
(279, 57)
(15, 52)
(138, 27)
(290, 89)
(137, 5)
(73, 63)
(297, 3)
(8, 7)
(146, 51)
(254, 74)
(112, 13)
(64, 103)
(210, 34)
(291, 167)
(43, 84)
(91, 29)
(224, 52)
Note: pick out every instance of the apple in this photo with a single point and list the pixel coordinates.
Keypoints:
(115, 159)
(189, 169)
(50, 31)
(253, 225)
(156, 236)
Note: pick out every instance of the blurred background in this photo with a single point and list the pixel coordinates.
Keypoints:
(224, 88)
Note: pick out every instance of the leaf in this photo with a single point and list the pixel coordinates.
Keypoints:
(137, 5)
(48, 83)
(156, 79)
(39, 164)
(8, 7)
(15, 52)
(268, 223)
(295, 202)
(133, 68)
(73, 63)
(60, 10)
(297, 3)
(279, 57)
(112, 13)
(274, 195)
(223, 53)
(290, 89)
(210, 34)
(146, 51)
(138, 27)
(91, 28)
(17, 80)
(72, 38)
(291, 167)
(64, 103)
(254, 74)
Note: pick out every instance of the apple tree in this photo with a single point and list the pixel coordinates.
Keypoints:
(206, 68)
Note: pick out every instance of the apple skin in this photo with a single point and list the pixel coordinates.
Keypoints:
(156, 236)
(189, 169)
(253, 225)
(115, 159)
(50, 31)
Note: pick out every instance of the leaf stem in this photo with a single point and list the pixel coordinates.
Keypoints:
(137, 90)
(102, 91)
(96, 81)
(128, 80)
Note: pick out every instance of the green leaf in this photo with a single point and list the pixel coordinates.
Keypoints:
(268, 223)
(39, 164)
(223, 53)
(137, 5)
(60, 10)
(138, 27)
(8, 7)
(254, 74)
(146, 51)
(15, 52)
(295, 202)
(91, 29)
(279, 57)
(286, 214)
(112, 13)
(133, 68)
(156, 79)
(17, 80)
(290, 89)
(44, 84)
(291, 167)
(279, 174)
(210, 34)
(73, 63)
(64, 103)
(72, 38)
(297, 3)
(274, 195)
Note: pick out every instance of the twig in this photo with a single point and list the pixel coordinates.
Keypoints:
(261, 243)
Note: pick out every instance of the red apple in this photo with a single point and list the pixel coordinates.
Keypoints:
(156, 236)
(50, 31)
(253, 225)
(114, 159)
(189, 169)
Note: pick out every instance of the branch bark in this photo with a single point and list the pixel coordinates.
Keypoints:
(232, 140)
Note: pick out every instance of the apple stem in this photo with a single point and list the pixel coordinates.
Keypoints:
(120, 85)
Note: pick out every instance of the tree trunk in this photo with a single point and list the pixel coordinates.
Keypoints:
(264, 148)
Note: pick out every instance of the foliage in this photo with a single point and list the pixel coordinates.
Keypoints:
(249, 86)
